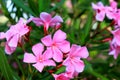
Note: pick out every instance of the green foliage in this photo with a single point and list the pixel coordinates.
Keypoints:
(5, 68)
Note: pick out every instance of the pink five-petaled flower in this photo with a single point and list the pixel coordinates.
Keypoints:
(40, 60)
(60, 77)
(100, 11)
(14, 35)
(46, 20)
(116, 36)
(111, 10)
(57, 45)
(114, 50)
(73, 61)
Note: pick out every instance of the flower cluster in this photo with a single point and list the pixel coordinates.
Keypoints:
(53, 49)
(112, 13)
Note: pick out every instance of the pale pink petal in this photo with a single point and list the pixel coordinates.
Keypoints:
(57, 54)
(74, 49)
(66, 62)
(100, 4)
(37, 21)
(29, 58)
(60, 77)
(38, 49)
(94, 6)
(9, 34)
(56, 19)
(48, 54)
(100, 16)
(47, 40)
(64, 46)
(45, 17)
(113, 4)
(24, 30)
(9, 50)
(78, 65)
(14, 41)
(81, 52)
(2, 35)
(59, 36)
(49, 63)
(39, 66)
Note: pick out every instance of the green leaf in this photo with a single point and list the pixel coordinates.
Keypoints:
(89, 69)
(85, 32)
(60, 70)
(57, 5)
(5, 68)
(21, 4)
(43, 5)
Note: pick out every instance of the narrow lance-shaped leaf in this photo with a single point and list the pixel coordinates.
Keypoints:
(85, 32)
(5, 68)
(43, 5)
(20, 4)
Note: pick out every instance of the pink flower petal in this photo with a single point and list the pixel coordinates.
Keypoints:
(24, 30)
(78, 65)
(2, 35)
(64, 46)
(60, 77)
(39, 66)
(67, 62)
(9, 50)
(100, 16)
(81, 52)
(59, 36)
(56, 19)
(29, 58)
(94, 6)
(49, 63)
(14, 41)
(100, 4)
(45, 17)
(57, 54)
(9, 34)
(37, 21)
(48, 54)
(47, 40)
(38, 49)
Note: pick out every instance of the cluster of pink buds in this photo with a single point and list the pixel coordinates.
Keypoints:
(112, 13)
(53, 49)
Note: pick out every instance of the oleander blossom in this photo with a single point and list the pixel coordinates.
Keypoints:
(100, 11)
(61, 76)
(114, 50)
(73, 61)
(115, 43)
(58, 45)
(116, 36)
(14, 35)
(46, 20)
(38, 59)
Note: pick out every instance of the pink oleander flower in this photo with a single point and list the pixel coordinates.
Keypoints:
(116, 36)
(100, 10)
(14, 35)
(38, 59)
(2, 35)
(114, 50)
(46, 20)
(61, 76)
(58, 45)
(111, 10)
(73, 61)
